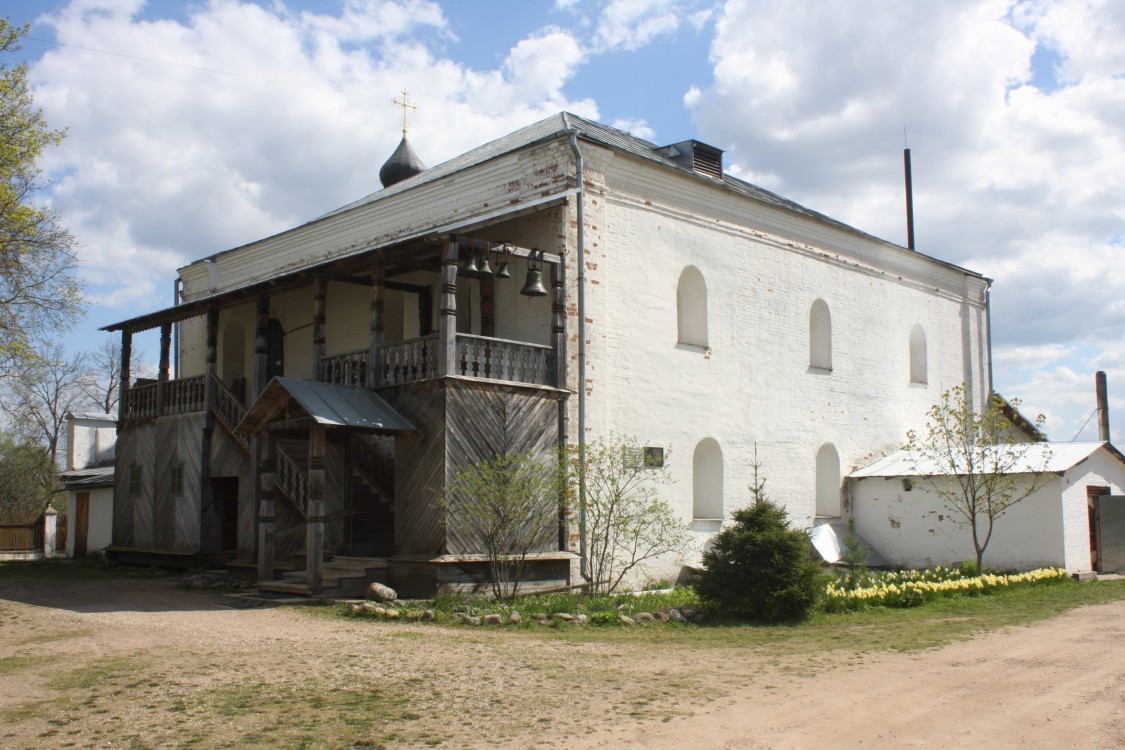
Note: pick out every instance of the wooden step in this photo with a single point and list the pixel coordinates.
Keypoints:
(285, 587)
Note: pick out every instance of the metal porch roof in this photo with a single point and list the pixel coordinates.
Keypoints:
(99, 476)
(1029, 458)
(327, 404)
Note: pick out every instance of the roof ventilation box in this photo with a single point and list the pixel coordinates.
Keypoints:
(696, 156)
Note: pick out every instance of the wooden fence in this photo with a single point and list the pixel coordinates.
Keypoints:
(23, 535)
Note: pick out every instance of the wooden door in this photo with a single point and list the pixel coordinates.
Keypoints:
(1110, 515)
(81, 523)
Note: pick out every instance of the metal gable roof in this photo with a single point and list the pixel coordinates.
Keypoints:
(1029, 458)
(589, 130)
(100, 476)
(327, 404)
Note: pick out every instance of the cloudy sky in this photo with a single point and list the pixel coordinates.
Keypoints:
(198, 126)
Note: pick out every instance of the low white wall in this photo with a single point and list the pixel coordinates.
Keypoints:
(915, 529)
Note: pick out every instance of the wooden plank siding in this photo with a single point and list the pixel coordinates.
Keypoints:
(419, 467)
(484, 420)
(459, 423)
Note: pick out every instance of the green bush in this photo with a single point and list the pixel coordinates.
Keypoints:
(759, 568)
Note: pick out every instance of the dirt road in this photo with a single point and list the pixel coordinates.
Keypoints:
(141, 663)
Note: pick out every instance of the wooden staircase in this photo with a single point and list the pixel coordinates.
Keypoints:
(344, 577)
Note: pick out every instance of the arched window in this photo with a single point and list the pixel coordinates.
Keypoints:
(918, 366)
(827, 481)
(691, 308)
(707, 481)
(820, 336)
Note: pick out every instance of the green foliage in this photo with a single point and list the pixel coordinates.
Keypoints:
(854, 555)
(509, 505)
(38, 292)
(974, 460)
(627, 522)
(29, 478)
(759, 568)
(913, 588)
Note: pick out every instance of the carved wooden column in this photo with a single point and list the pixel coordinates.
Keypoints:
(487, 308)
(123, 386)
(320, 303)
(314, 529)
(210, 525)
(375, 341)
(447, 323)
(261, 348)
(162, 377)
(212, 359)
(267, 481)
(558, 322)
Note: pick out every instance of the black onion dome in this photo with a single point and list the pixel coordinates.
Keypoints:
(402, 164)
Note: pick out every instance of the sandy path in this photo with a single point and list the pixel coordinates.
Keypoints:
(1057, 684)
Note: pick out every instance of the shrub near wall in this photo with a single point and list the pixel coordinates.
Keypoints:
(759, 568)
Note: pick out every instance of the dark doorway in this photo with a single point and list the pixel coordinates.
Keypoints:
(1108, 513)
(275, 348)
(81, 523)
(225, 492)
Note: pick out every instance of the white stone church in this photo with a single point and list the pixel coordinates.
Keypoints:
(567, 281)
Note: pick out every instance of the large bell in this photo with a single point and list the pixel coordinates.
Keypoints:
(533, 287)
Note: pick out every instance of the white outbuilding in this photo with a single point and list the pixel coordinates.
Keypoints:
(1074, 520)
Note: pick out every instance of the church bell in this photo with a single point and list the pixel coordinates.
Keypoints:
(533, 286)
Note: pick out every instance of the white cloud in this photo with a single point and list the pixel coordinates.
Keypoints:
(630, 24)
(639, 128)
(1021, 183)
(166, 163)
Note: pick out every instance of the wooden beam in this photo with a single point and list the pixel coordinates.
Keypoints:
(447, 323)
(375, 335)
(314, 529)
(320, 305)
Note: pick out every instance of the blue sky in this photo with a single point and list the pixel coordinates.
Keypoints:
(1013, 110)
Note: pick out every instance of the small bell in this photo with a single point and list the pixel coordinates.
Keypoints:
(502, 272)
(470, 265)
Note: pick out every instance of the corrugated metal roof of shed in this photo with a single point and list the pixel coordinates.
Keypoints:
(1029, 458)
(328, 404)
(101, 476)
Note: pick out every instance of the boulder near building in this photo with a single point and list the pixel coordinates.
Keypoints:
(563, 283)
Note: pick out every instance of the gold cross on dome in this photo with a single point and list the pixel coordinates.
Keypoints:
(407, 105)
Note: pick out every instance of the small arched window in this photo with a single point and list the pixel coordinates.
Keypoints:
(827, 481)
(691, 308)
(707, 481)
(820, 336)
(918, 365)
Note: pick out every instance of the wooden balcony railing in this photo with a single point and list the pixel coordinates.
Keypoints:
(500, 359)
(349, 368)
(416, 359)
(150, 400)
(409, 361)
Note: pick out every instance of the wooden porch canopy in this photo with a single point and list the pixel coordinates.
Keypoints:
(324, 404)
